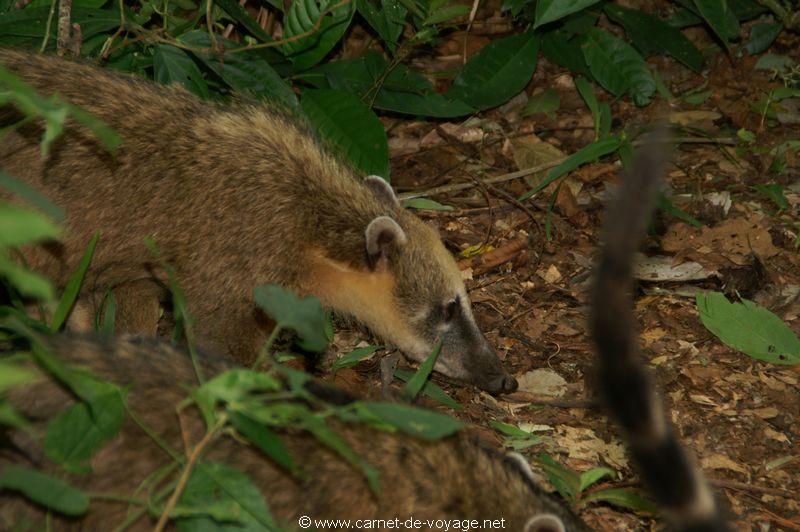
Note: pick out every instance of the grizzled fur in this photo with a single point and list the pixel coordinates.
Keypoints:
(453, 478)
(670, 472)
(235, 197)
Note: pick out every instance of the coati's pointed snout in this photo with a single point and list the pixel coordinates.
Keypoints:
(505, 384)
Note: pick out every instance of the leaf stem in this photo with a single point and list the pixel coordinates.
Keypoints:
(265, 351)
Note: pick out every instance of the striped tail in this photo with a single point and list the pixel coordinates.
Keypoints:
(667, 468)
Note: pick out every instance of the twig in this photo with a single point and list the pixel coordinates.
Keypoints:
(48, 25)
(494, 258)
(472, 14)
(210, 25)
(187, 471)
(732, 484)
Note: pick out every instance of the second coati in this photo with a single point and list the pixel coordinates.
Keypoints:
(234, 197)
(454, 478)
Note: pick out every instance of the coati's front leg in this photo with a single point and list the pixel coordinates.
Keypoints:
(235, 327)
(138, 306)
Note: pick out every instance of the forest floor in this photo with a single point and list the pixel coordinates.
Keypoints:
(741, 416)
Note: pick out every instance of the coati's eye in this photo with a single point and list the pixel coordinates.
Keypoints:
(451, 308)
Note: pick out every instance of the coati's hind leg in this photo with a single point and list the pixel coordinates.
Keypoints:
(236, 328)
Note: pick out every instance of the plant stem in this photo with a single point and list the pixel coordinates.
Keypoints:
(265, 351)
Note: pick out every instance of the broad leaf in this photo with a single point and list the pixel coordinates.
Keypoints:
(497, 72)
(551, 10)
(350, 127)
(618, 67)
(386, 17)
(305, 316)
(418, 422)
(749, 328)
(173, 65)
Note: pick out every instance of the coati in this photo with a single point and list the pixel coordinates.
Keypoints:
(453, 478)
(234, 197)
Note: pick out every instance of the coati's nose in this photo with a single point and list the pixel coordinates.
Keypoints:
(503, 384)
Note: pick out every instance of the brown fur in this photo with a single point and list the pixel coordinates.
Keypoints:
(234, 197)
(454, 478)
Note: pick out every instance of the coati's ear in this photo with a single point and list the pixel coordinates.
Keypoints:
(545, 523)
(383, 234)
(382, 190)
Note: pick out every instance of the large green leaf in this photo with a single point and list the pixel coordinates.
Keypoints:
(651, 34)
(350, 127)
(497, 72)
(551, 10)
(399, 88)
(720, 18)
(173, 65)
(243, 71)
(749, 328)
(386, 17)
(45, 490)
(305, 316)
(223, 487)
(618, 67)
(75, 434)
(302, 18)
(565, 49)
(762, 36)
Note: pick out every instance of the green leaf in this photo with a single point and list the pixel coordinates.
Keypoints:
(52, 493)
(593, 475)
(23, 190)
(13, 375)
(11, 417)
(618, 67)
(354, 357)
(20, 225)
(720, 18)
(587, 93)
(508, 430)
(350, 127)
(305, 316)
(651, 34)
(264, 439)
(497, 72)
(73, 286)
(236, 384)
(243, 71)
(172, 65)
(566, 481)
(387, 19)
(774, 192)
(426, 204)
(221, 486)
(445, 13)
(749, 328)
(26, 27)
(585, 155)
(565, 49)
(762, 36)
(75, 434)
(418, 422)
(551, 10)
(429, 388)
(622, 498)
(301, 18)
(517, 438)
(413, 386)
(25, 282)
(546, 102)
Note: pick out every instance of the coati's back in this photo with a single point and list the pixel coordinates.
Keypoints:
(453, 478)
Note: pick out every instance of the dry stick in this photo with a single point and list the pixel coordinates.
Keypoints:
(187, 471)
(494, 258)
(535, 169)
(63, 35)
(48, 25)
(472, 14)
(732, 484)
